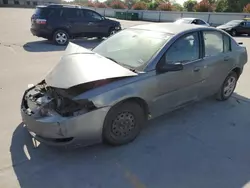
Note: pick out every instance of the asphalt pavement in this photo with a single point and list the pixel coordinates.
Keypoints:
(205, 145)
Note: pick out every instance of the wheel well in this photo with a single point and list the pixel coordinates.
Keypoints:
(237, 70)
(64, 29)
(139, 101)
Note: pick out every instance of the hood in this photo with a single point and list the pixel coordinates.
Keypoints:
(225, 26)
(79, 65)
(114, 22)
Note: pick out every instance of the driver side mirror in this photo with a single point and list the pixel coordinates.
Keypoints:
(167, 67)
(103, 18)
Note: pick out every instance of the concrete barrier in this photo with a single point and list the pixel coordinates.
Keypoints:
(170, 16)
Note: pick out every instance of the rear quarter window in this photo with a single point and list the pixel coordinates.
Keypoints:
(44, 12)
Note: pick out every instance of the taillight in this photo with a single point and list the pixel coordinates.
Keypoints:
(41, 21)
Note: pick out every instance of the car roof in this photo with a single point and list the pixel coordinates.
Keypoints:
(188, 18)
(61, 6)
(171, 28)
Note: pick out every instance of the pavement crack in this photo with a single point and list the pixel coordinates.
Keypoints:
(208, 146)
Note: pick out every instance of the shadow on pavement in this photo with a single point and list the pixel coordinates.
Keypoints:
(48, 46)
(203, 145)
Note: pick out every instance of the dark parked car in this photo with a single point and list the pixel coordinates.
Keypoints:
(62, 22)
(236, 27)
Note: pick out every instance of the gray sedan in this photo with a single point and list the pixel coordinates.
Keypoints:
(109, 92)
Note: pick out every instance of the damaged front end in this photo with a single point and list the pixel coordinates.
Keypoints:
(42, 100)
(51, 110)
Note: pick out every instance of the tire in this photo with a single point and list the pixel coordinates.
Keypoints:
(223, 95)
(132, 115)
(64, 40)
(111, 31)
(234, 33)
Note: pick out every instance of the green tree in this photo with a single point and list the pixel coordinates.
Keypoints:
(234, 6)
(221, 6)
(189, 5)
(204, 6)
(130, 3)
(177, 7)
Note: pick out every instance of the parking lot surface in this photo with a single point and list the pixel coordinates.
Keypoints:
(203, 145)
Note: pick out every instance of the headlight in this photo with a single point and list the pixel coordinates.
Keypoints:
(67, 107)
(118, 27)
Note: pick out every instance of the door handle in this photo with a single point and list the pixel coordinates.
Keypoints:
(196, 69)
(226, 58)
(90, 23)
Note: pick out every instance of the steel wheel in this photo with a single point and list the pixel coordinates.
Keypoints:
(61, 37)
(228, 87)
(123, 123)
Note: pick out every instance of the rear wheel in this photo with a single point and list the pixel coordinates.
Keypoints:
(123, 123)
(61, 37)
(227, 87)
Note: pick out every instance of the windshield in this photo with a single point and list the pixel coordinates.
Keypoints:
(234, 22)
(132, 48)
(183, 21)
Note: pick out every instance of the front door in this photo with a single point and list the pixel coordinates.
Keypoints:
(95, 24)
(178, 88)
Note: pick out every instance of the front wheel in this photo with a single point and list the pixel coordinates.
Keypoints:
(123, 123)
(112, 31)
(233, 33)
(227, 87)
(61, 37)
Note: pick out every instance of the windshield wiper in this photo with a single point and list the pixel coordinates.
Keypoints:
(126, 66)
(112, 59)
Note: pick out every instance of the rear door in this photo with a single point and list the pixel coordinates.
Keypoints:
(217, 58)
(74, 19)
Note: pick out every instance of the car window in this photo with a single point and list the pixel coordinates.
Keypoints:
(226, 43)
(201, 22)
(92, 15)
(213, 42)
(243, 24)
(194, 21)
(184, 49)
(72, 13)
(248, 24)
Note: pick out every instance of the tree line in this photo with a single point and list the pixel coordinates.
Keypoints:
(168, 5)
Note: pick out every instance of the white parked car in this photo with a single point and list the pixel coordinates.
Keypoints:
(196, 21)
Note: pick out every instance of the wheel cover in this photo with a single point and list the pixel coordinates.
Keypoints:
(61, 38)
(123, 125)
(229, 86)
